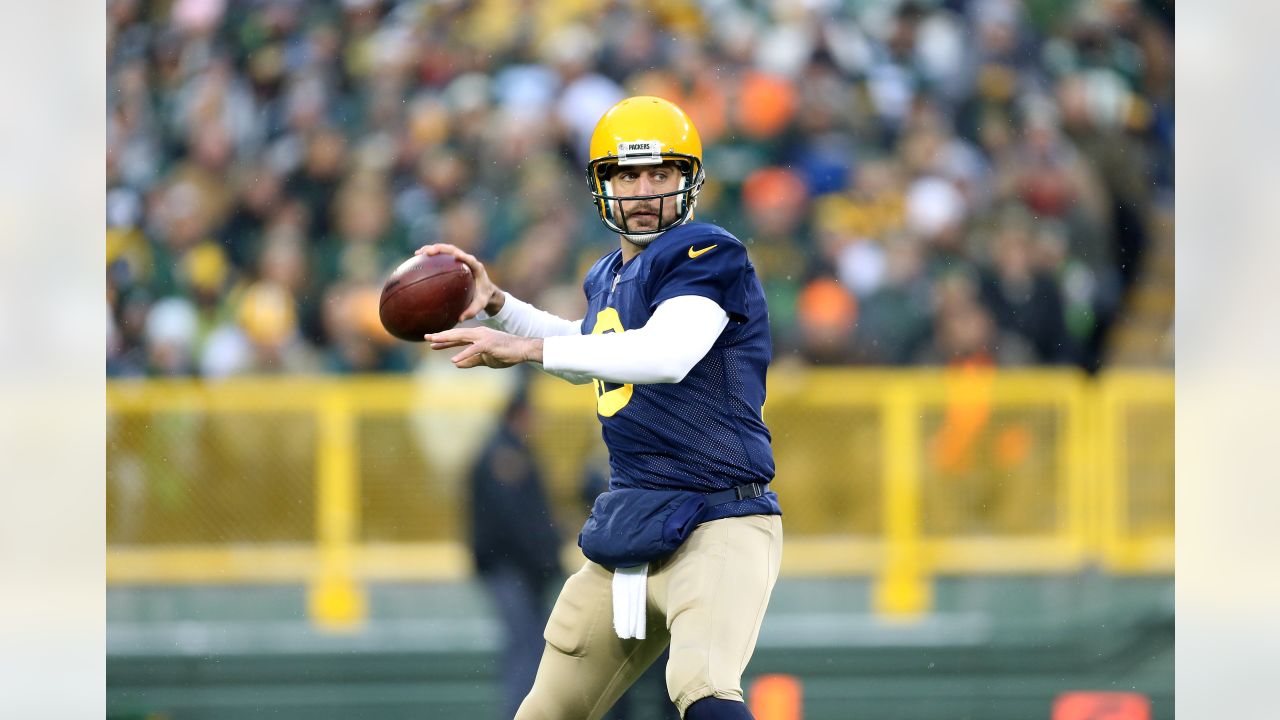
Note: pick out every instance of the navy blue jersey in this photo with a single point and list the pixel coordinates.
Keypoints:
(705, 433)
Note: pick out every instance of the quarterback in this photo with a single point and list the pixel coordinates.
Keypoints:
(684, 548)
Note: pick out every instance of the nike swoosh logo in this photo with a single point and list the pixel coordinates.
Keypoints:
(695, 253)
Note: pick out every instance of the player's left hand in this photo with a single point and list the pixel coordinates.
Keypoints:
(486, 346)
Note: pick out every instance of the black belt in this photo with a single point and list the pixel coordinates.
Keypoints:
(742, 492)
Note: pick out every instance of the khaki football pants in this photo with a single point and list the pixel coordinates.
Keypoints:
(707, 600)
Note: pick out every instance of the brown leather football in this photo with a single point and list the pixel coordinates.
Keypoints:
(426, 294)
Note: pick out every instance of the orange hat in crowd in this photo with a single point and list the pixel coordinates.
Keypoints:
(825, 303)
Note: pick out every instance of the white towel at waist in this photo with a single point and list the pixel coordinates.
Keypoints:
(629, 590)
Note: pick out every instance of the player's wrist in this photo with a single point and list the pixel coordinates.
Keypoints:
(497, 298)
(533, 350)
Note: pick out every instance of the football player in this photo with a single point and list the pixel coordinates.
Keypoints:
(676, 343)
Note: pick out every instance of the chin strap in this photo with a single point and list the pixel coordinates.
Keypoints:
(643, 240)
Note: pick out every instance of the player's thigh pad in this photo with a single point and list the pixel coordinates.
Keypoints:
(585, 601)
(717, 587)
(585, 666)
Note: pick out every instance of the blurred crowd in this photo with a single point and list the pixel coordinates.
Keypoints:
(918, 182)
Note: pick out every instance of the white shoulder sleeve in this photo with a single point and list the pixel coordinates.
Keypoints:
(520, 318)
(677, 336)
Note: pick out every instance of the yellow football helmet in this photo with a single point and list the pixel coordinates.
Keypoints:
(645, 130)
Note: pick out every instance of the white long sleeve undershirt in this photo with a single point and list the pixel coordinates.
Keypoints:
(677, 336)
(520, 318)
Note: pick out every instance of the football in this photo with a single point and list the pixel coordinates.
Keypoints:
(426, 294)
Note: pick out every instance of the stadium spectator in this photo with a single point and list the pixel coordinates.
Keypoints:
(827, 313)
(894, 319)
(964, 331)
(1023, 299)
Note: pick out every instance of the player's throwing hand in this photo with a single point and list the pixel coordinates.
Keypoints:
(488, 297)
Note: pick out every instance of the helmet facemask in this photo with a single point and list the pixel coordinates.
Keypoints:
(609, 205)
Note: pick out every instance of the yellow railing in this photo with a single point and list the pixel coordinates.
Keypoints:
(902, 475)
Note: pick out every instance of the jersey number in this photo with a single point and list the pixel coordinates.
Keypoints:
(610, 397)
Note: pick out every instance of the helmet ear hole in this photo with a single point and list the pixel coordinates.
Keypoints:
(607, 186)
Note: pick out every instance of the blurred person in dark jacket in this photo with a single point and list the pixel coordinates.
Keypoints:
(1085, 295)
(317, 182)
(259, 195)
(1023, 299)
(515, 546)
